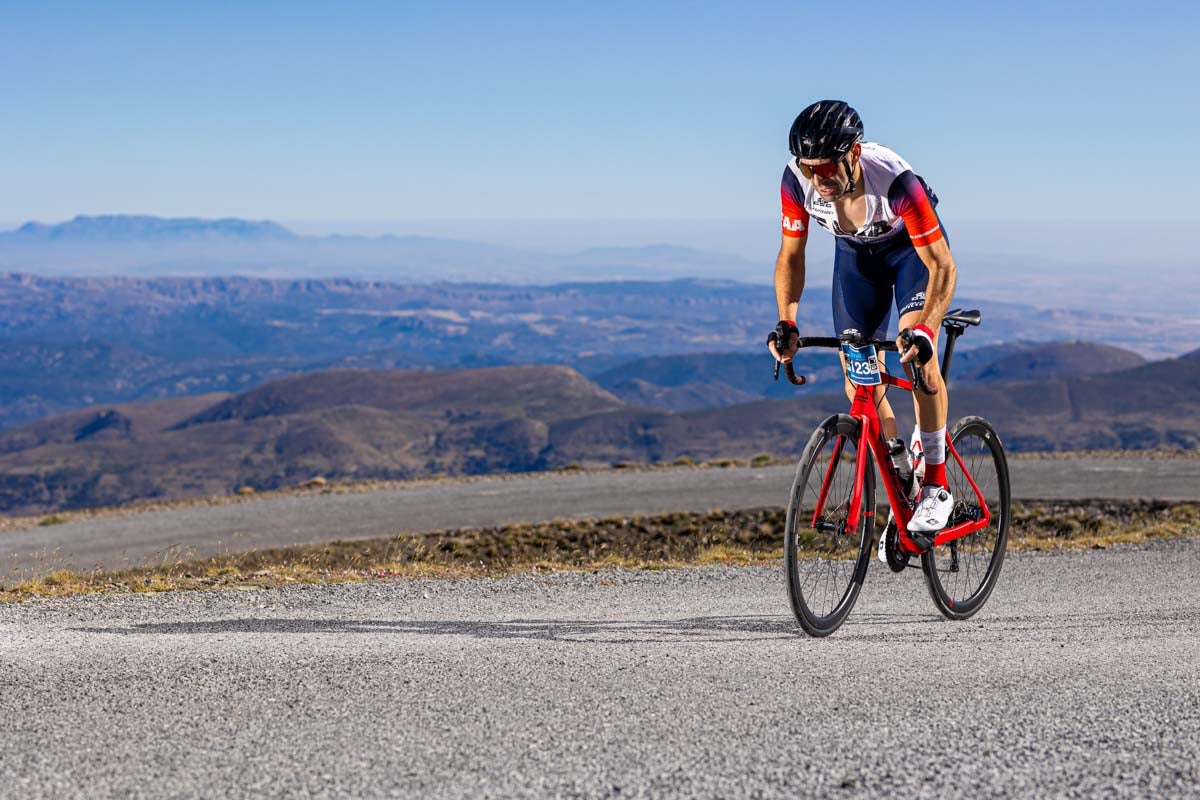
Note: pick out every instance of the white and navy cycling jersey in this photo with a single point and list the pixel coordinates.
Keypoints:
(897, 199)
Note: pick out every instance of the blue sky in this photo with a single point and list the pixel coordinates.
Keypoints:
(457, 117)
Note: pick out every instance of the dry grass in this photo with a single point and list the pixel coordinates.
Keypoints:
(1063, 525)
(660, 542)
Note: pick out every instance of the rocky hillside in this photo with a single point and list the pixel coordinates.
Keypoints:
(1054, 360)
(713, 380)
(347, 423)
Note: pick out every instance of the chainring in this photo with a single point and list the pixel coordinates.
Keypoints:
(896, 560)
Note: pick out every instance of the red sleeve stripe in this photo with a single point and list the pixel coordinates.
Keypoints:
(918, 215)
(795, 217)
(910, 201)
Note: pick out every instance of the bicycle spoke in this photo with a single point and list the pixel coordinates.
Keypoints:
(959, 593)
(822, 554)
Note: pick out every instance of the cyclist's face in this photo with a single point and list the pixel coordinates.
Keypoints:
(831, 177)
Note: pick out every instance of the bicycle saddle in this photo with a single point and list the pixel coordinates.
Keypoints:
(959, 317)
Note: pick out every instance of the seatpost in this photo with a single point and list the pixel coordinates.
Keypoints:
(953, 331)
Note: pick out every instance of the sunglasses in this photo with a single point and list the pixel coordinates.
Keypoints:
(820, 170)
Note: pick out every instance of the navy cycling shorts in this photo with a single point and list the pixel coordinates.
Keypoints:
(867, 277)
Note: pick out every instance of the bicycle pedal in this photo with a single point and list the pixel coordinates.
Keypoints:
(924, 541)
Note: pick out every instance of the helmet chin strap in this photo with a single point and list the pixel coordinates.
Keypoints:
(850, 182)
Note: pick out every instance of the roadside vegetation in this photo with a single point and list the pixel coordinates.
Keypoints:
(652, 542)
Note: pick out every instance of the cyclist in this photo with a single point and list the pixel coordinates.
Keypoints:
(889, 241)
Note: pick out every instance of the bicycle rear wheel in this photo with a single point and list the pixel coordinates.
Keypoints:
(961, 575)
(826, 563)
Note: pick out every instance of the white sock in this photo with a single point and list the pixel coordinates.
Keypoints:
(933, 443)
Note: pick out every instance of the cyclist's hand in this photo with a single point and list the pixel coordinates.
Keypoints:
(921, 350)
(782, 342)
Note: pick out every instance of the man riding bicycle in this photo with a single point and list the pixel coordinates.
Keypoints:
(889, 241)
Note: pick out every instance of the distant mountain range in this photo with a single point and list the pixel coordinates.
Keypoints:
(129, 228)
(362, 424)
(66, 343)
(147, 245)
(72, 342)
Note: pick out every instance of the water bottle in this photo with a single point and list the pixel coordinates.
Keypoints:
(900, 459)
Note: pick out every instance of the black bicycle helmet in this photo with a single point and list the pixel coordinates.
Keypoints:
(826, 129)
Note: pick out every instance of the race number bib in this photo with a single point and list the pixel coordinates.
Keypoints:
(862, 364)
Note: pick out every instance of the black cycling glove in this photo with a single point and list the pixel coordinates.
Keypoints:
(922, 338)
(782, 335)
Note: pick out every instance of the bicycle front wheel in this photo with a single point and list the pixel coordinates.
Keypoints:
(826, 562)
(961, 574)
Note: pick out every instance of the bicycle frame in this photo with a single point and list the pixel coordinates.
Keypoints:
(862, 409)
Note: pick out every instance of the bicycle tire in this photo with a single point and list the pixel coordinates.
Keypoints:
(961, 575)
(826, 568)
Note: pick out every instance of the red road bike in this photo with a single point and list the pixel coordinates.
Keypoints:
(830, 531)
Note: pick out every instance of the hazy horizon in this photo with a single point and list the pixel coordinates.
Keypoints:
(1073, 243)
(572, 126)
(1081, 266)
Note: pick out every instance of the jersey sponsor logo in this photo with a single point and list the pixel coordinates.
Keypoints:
(874, 230)
(794, 225)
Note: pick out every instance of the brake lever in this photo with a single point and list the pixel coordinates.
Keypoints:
(774, 337)
(913, 368)
(790, 371)
(796, 380)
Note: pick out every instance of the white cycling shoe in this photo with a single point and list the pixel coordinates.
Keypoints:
(933, 510)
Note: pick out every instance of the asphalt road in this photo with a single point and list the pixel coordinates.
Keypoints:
(1080, 678)
(155, 537)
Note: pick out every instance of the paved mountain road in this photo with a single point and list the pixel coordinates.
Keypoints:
(1081, 678)
(152, 537)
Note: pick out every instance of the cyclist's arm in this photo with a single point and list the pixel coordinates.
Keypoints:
(910, 199)
(789, 275)
(943, 277)
(789, 266)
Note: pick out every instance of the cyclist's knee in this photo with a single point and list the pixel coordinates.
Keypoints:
(939, 396)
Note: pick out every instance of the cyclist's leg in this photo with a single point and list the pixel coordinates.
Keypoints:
(912, 277)
(864, 304)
